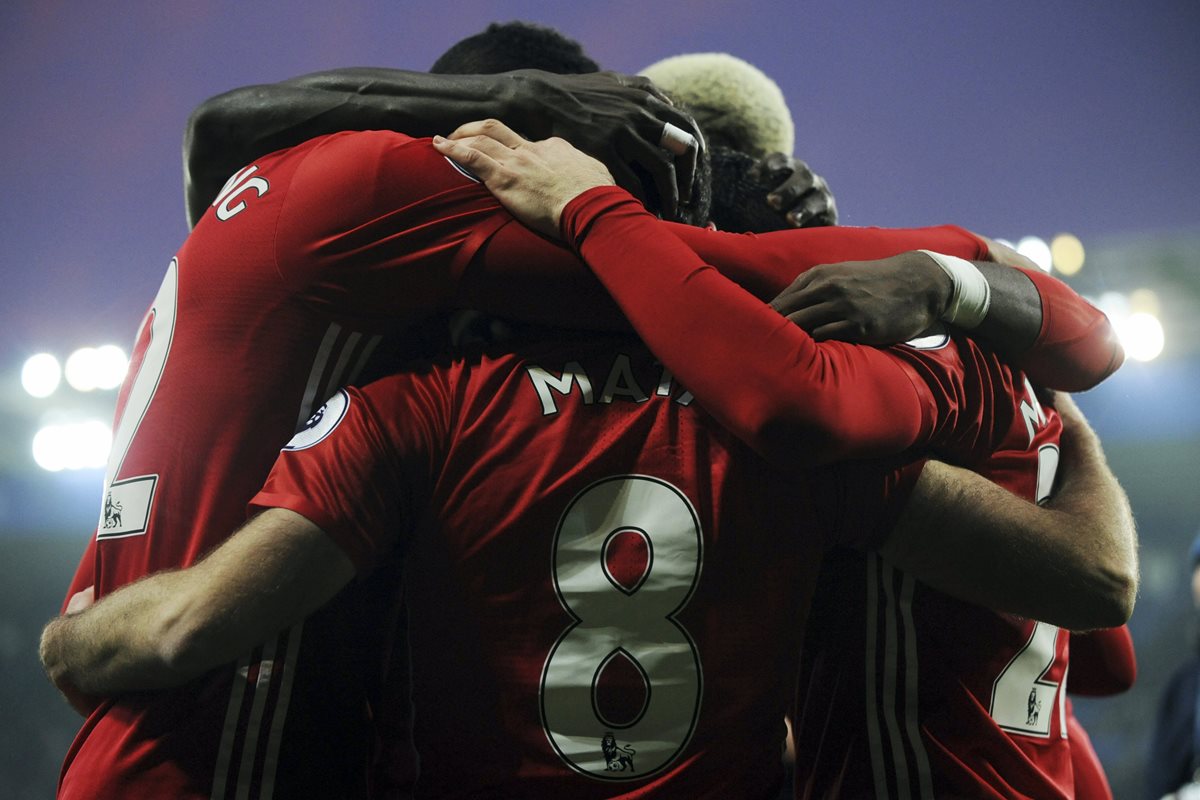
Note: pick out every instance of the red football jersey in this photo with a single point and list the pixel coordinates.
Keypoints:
(906, 692)
(276, 299)
(603, 586)
(928, 696)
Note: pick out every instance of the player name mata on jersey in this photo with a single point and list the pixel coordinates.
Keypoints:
(621, 380)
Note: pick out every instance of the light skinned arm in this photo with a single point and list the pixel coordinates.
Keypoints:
(618, 118)
(170, 627)
(1072, 562)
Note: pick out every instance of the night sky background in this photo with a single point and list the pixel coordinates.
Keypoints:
(1010, 118)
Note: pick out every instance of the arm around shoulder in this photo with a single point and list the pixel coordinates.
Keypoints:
(171, 627)
(1072, 563)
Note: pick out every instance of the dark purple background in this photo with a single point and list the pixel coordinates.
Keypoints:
(1010, 118)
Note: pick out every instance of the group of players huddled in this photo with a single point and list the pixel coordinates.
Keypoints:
(556, 490)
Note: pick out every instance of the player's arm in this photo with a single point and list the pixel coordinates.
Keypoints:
(1033, 320)
(1103, 662)
(794, 400)
(1072, 562)
(879, 291)
(170, 627)
(641, 266)
(617, 118)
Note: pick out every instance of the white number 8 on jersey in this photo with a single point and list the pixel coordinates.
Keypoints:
(638, 623)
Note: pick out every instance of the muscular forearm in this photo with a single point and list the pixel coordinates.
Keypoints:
(173, 626)
(1087, 492)
(618, 119)
(1072, 563)
(116, 645)
(232, 129)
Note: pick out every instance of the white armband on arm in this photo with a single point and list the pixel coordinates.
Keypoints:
(970, 296)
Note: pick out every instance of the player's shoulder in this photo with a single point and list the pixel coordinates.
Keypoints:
(363, 140)
(377, 164)
(949, 350)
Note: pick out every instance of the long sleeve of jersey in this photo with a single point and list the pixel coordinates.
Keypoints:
(1077, 346)
(1102, 662)
(521, 274)
(792, 399)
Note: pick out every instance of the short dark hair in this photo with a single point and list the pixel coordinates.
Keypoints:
(739, 201)
(506, 46)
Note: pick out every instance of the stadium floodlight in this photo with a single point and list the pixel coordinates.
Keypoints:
(1142, 336)
(72, 446)
(82, 369)
(111, 366)
(41, 375)
(1036, 250)
(1144, 300)
(1115, 305)
(1066, 251)
(90, 368)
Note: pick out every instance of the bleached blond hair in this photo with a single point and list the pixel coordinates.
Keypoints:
(735, 102)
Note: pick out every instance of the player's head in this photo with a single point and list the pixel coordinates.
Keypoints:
(744, 116)
(739, 194)
(506, 46)
(734, 102)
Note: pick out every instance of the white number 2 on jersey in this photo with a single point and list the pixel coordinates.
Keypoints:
(125, 510)
(1023, 699)
(636, 622)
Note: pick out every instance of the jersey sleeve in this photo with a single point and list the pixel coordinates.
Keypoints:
(1077, 346)
(792, 399)
(523, 275)
(85, 573)
(363, 465)
(1102, 662)
(377, 228)
(526, 276)
(861, 500)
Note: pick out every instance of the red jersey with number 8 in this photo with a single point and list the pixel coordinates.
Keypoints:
(604, 588)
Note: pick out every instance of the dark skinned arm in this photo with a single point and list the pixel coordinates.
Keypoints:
(617, 118)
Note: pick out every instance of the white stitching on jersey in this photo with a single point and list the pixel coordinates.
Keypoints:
(912, 728)
(891, 648)
(262, 689)
(314, 375)
(232, 713)
(290, 665)
(873, 732)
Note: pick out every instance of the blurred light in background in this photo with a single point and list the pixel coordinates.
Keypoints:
(69, 436)
(1036, 250)
(1136, 321)
(1144, 300)
(1066, 252)
(90, 368)
(1142, 336)
(41, 375)
(113, 364)
(75, 445)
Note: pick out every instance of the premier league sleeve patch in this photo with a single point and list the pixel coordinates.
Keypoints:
(321, 423)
